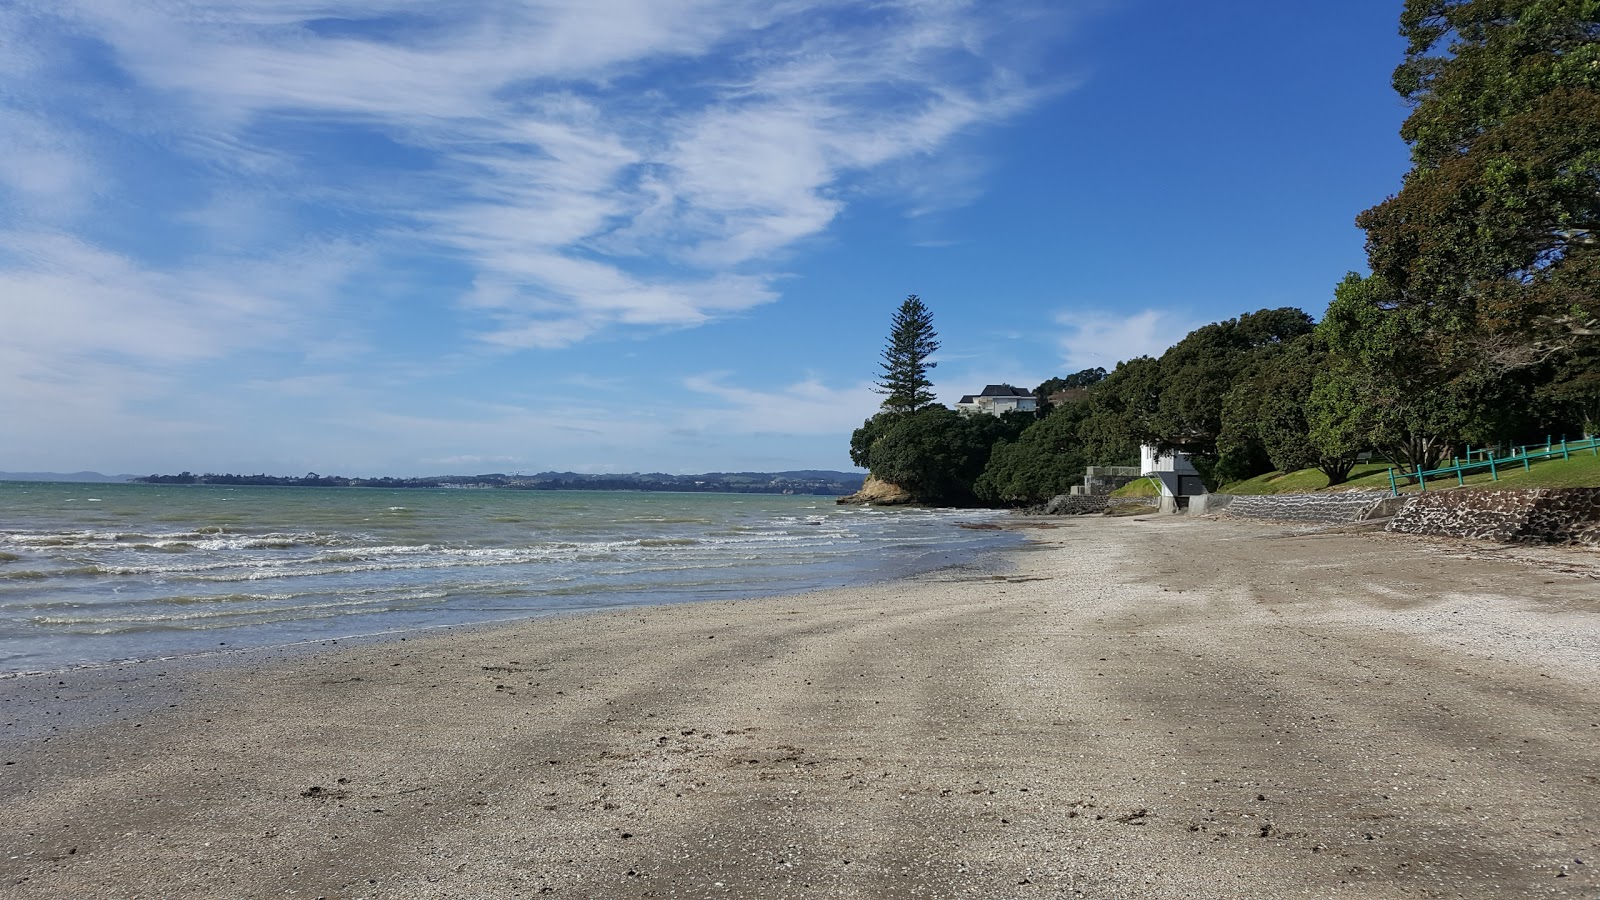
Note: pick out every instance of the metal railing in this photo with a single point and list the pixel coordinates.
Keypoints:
(1486, 460)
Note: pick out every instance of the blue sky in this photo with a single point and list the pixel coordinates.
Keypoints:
(398, 237)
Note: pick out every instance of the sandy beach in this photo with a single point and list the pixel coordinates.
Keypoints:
(1126, 708)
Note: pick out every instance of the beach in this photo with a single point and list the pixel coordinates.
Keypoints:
(1137, 707)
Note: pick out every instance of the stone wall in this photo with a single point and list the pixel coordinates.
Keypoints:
(1076, 505)
(1082, 505)
(1323, 509)
(1542, 515)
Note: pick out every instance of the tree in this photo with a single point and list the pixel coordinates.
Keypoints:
(1046, 460)
(912, 340)
(1494, 237)
(1198, 372)
(937, 454)
(1266, 414)
(862, 439)
(1393, 377)
(1077, 385)
(1119, 412)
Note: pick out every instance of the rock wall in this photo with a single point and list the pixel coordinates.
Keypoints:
(1084, 505)
(1542, 515)
(1322, 509)
(1076, 504)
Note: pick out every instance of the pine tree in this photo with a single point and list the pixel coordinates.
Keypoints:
(905, 363)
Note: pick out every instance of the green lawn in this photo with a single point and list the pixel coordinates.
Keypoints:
(1579, 471)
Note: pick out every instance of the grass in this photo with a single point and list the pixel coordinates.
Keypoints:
(1143, 487)
(1579, 471)
(1364, 477)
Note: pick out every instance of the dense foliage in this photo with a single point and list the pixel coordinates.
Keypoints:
(937, 454)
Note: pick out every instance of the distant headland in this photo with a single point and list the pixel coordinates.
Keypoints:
(808, 481)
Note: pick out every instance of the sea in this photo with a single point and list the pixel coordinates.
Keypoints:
(98, 574)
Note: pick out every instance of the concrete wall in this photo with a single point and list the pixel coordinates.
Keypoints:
(1542, 515)
(1209, 504)
(1323, 509)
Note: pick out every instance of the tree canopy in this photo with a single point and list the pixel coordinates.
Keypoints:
(1494, 238)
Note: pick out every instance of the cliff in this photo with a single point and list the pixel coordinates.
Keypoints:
(877, 492)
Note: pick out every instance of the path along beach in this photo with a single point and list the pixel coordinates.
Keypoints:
(1124, 708)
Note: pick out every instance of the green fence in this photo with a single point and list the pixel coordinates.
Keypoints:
(1484, 459)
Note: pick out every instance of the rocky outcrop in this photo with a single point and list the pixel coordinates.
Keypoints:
(876, 492)
(1542, 515)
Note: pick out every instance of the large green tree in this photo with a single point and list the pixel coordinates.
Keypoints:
(912, 340)
(937, 454)
(1265, 415)
(1047, 459)
(1493, 242)
(1076, 386)
(1120, 410)
(1388, 379)
(1200, 370)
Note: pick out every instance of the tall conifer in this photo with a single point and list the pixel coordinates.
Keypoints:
(912, 340)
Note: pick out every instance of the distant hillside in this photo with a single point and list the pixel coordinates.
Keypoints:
(95, 477)
(809, 481)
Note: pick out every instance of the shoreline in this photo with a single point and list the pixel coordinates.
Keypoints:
(1122, 708)
(545, 592)
(105, 685)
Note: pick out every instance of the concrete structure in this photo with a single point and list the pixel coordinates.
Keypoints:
(1101, 480)
(998, 399)
(1178, 477)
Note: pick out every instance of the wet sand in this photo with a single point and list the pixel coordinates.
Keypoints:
(1128, 708)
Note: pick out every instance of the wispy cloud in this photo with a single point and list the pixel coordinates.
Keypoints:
(1091, 339)
(805, 407)
(211, 204)
(593, 165)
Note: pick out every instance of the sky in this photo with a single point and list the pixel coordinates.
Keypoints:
(396, 237)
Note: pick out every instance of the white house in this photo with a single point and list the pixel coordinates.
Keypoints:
(998, 399)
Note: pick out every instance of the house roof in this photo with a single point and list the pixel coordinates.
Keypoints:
(966, 398)
(1004, 390)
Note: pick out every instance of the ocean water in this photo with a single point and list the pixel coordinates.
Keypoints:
(97, 573)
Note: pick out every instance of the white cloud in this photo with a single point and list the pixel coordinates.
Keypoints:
(1104, 339)
(43, 166)
(93, 342)
(595, 164)
(805, 407)
(192, 187)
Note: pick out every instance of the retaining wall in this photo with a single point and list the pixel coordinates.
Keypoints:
(1321, 509)
(1541, 515)
(1086, 505)
(1076, 504)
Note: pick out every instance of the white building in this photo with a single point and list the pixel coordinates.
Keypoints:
(1178, 477)
(998, 399)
